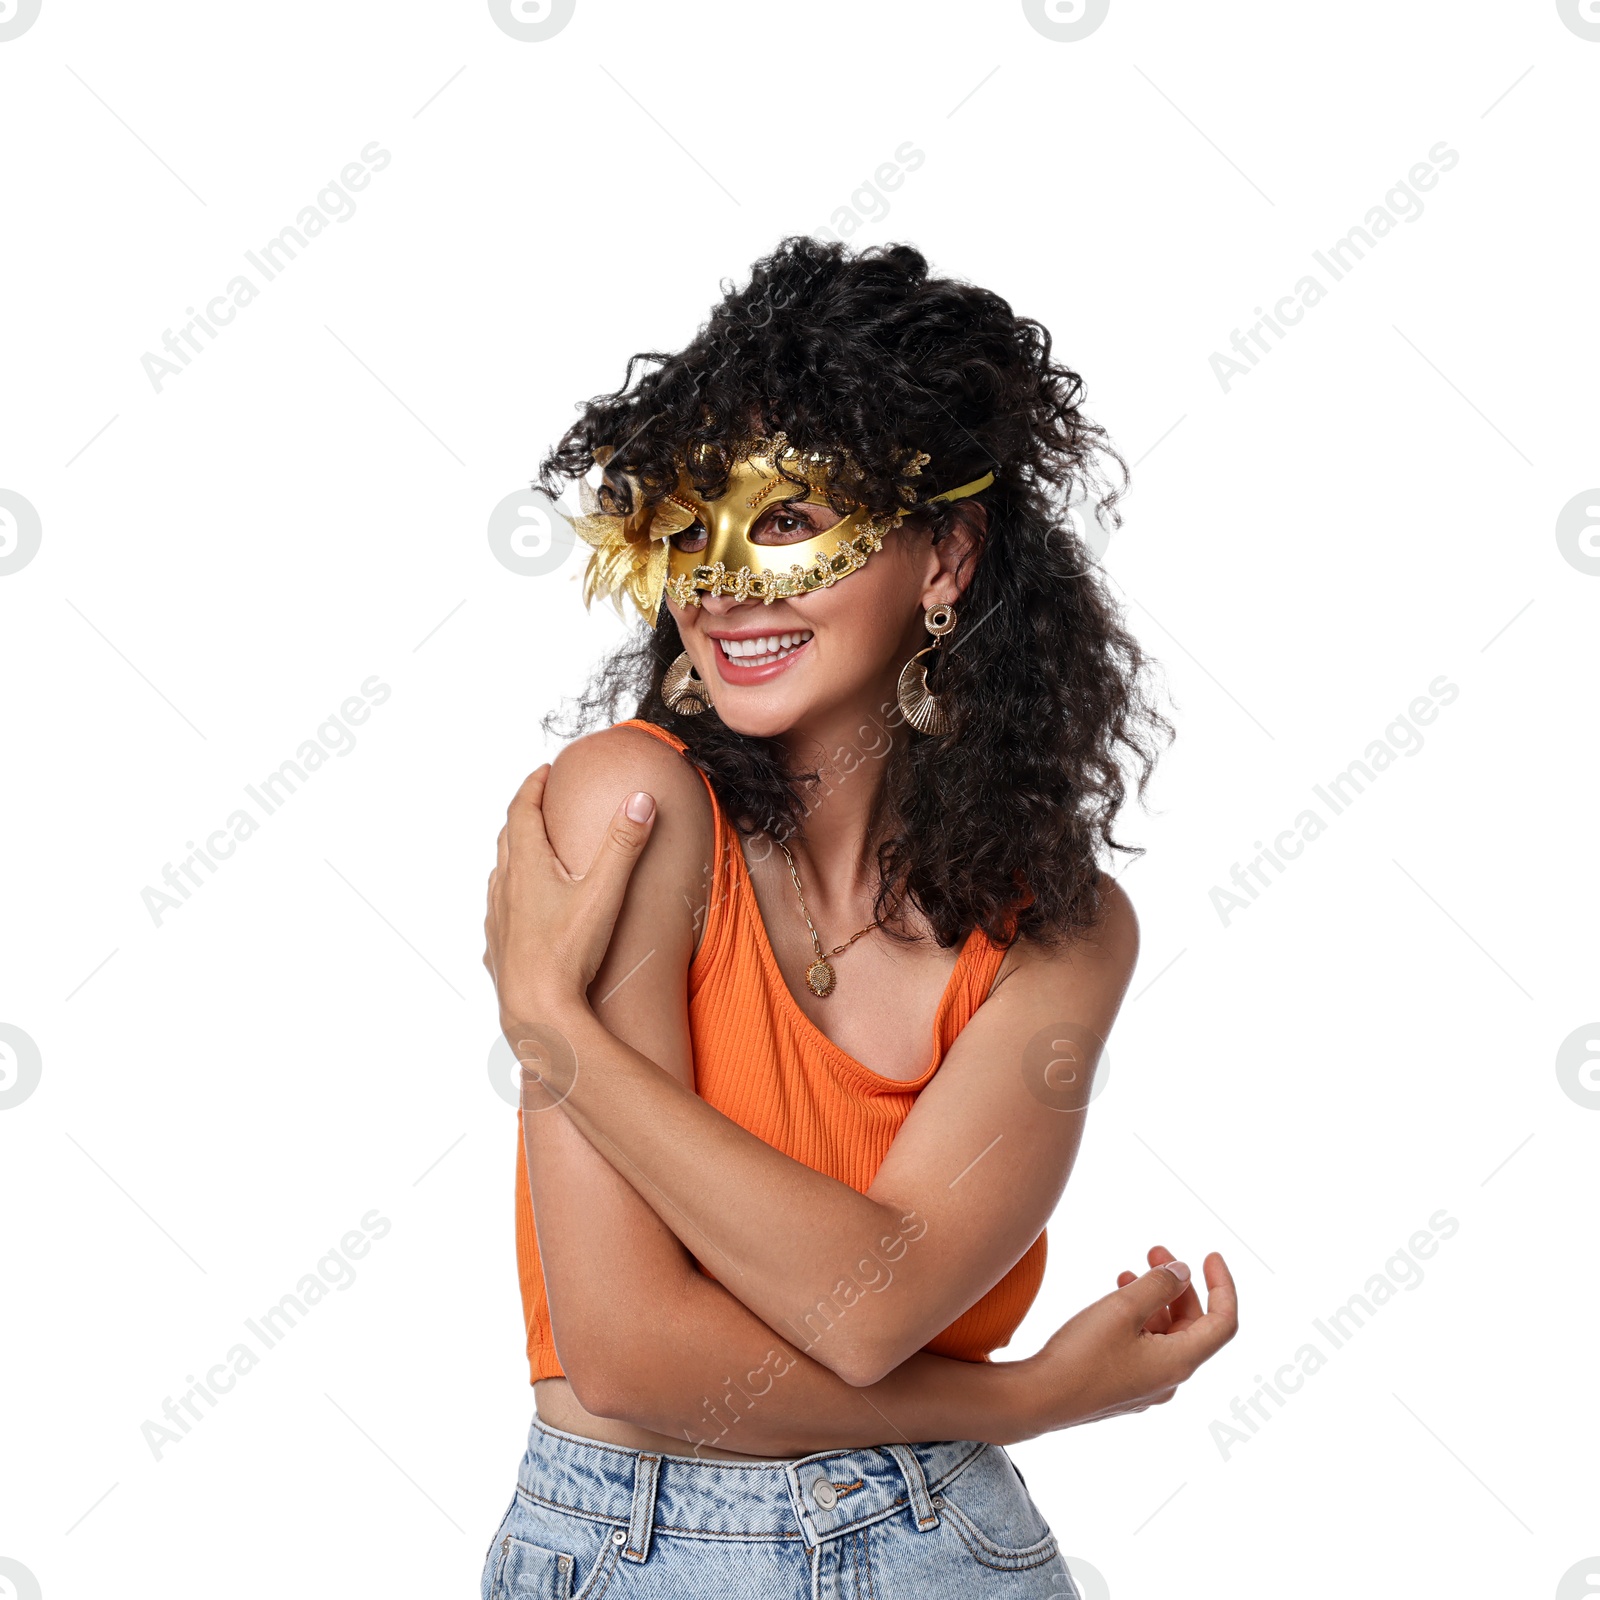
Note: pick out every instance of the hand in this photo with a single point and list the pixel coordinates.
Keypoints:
(547, 931)
(1132, 1349)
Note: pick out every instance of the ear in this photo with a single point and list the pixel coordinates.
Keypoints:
(953, 561)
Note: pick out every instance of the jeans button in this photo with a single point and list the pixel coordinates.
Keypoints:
(824, 1494)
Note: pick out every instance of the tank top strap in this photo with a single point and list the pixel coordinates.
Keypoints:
(651, 727)
(969, 986)
(722, 877)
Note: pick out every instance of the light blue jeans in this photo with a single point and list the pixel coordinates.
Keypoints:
(885, 1522)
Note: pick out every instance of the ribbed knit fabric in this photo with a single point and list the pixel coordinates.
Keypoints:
(763, 1063)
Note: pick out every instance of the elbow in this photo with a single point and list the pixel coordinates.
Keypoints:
(861, 1346)
(877, 1352)
(599, 1379)
(860, 1363)
(591, 1388)
(862, 1375)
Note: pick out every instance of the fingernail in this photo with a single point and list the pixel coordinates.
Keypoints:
(640, 806)
(1178, 1269)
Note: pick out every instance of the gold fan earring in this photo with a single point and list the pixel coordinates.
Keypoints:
(918, 703)
(683, 689)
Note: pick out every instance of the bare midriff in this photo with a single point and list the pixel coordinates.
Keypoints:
(558, 1408)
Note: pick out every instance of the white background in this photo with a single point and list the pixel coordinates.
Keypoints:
(224, 561)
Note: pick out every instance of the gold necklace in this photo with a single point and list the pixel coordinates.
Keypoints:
(820, 975)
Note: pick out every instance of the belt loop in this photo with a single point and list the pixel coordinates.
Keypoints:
(641, 1519)
(917, 1484)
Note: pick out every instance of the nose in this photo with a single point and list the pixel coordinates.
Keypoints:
(719, 605)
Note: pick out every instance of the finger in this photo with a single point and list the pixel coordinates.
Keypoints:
(607, 878)
(1161, 1322)
(524, 832)
(1199, 1340)
(1187, 1307)
(503, 848)
(1155, 1291)
(533, 786)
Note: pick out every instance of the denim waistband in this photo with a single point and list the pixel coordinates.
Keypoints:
(810, 1498)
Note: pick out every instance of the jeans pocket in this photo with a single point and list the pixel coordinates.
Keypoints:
(994, 1516)
(546, 1552)
(990, 1551)
(525, 1571)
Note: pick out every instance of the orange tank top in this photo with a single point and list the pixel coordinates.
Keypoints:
(762, 1062)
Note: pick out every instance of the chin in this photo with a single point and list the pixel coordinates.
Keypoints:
(759, 715)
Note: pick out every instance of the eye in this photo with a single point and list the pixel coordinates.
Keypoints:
(791, 523)
(691, 539)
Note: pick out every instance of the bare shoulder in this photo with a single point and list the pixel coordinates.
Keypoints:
(1101, 957)
(640, 990)
(619, 760)
(1115, 938)
(592, 776)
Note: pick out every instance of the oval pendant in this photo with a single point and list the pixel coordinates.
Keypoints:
(820, 976)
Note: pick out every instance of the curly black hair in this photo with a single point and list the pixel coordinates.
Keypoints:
(867, 353)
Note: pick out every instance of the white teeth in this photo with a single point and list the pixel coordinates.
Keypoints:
(757, 652)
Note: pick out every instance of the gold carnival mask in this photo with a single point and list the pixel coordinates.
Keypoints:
(634, 553)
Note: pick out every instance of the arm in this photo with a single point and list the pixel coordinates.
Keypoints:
(976, 1170)
(643, 1335)
(1124, 1352)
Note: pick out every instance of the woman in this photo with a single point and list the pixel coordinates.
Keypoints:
(776, 1243)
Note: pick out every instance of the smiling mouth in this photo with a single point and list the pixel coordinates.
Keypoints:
(764, 651)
